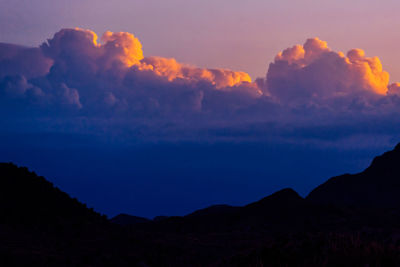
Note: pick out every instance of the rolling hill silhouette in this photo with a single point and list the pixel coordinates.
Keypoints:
(351, 220)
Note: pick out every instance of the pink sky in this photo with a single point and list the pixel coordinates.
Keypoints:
(239, 35)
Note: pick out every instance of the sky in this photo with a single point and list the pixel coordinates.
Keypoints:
(163, 107)
(242, 35)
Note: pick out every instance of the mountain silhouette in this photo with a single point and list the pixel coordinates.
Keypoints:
(283, 211)
(31, 200)
(273, 210)
(376, 187)
(351, 220)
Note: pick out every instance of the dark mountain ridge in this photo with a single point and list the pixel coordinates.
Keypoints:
(376, 187)
(351, 220)
(31, 200)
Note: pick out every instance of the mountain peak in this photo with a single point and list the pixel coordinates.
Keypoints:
(284, 194)
(283, 198)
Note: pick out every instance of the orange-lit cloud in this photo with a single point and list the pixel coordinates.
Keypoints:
(80, 48)
(97, 74)
(111, 75)
(314, 71)
(122, 46)
(92, 82)
(171, 69)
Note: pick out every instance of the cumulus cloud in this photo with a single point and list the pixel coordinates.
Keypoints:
(121, 47)
(394, 89)
(172, 70)
(18, 96)
(19, 60)
(313, 72)
(77, 76)
(114, 74)
(78, 48)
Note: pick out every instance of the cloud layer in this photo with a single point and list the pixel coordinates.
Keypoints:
(80, 81)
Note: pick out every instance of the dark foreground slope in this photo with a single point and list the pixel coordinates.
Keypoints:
(29, 200)
(42, 226)
(352, 220)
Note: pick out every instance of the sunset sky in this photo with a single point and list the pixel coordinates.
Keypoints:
(242, 35)
(162, 107)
